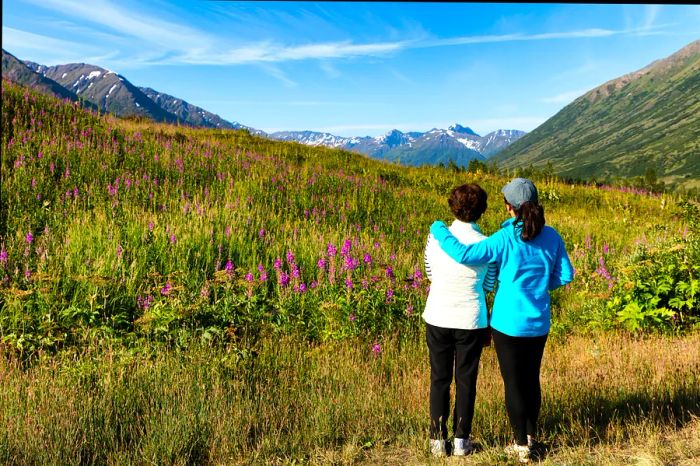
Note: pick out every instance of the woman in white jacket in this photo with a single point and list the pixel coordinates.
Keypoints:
(456, 323)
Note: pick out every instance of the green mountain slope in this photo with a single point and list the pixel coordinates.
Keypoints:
(649, 119)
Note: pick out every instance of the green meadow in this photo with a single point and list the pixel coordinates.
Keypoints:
(171, 295)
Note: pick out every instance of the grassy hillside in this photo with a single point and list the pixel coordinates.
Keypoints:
(179, 295)
(646, 120)
(18, 72)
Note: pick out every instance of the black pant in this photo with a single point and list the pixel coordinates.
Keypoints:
(459, 349)
(519, 359)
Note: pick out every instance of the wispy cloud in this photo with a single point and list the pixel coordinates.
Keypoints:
(149, 29)
(465, 40)
(18, 41)
(267, 52)
(330, 70)
(278, 74)
(564, 97)
(650, 14)
(173, 43)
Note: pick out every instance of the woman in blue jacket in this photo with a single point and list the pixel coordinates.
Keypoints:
(532, 262)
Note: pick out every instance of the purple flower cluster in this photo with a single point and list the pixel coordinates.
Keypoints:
(144, 302)
(602, 270)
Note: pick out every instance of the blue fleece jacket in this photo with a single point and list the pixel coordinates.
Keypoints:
(527, 272)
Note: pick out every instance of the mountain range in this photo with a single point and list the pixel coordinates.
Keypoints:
(643, 122)
(107, 91)
(457, 143)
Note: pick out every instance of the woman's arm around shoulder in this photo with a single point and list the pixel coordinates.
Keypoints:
(487, 250)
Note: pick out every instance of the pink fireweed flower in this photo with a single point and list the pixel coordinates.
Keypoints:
(313, 284)
(347, 246)
(321, 264)
(295, 271)
(389, 272)
(606, 248)
(144, 302)
(348, 283)
(150, 226)
(409, 309)
(367, 259)
(261, 233)
(389, 294)
(284, 279)
(302, 287)
(120, 251)
(278, 264)
(351, 317)
(376, 349)
(229, 267)
(29, 238)
(290, 257)
(173, 239)
(351, 263)
(27, 273)
(249, 277)
(3, 255)
(376, 245)
(227, 231)
(332, 251)
(165, 291)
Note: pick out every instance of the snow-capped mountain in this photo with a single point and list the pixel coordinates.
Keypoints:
(113, 93)
(457, 143)
(109, 91)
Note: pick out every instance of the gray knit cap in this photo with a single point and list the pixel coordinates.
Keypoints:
(519, 191)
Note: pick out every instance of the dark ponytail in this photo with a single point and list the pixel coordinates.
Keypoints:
(530, 216)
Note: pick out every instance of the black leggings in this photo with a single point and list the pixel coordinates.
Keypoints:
(459, 350)
(519, 359)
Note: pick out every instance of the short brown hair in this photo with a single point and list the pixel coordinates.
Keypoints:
(467, 202)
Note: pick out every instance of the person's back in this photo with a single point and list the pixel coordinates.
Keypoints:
(456, 324)
(456, 297)
(522, 303)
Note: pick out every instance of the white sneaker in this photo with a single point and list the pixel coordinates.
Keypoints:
(437, 447)
(521, 451)
(462, 446)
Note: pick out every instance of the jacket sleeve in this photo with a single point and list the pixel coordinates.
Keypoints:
(426, 260)
(487, 250)
(563, 271)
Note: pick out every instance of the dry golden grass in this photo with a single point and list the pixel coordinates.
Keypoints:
(608, 399)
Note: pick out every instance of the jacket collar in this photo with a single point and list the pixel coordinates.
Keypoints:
(508, 222)
(471, 225)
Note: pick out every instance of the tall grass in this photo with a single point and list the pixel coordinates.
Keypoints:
(123, 230)
(287, 400)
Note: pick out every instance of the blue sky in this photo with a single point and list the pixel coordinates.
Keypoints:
(356, 69)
